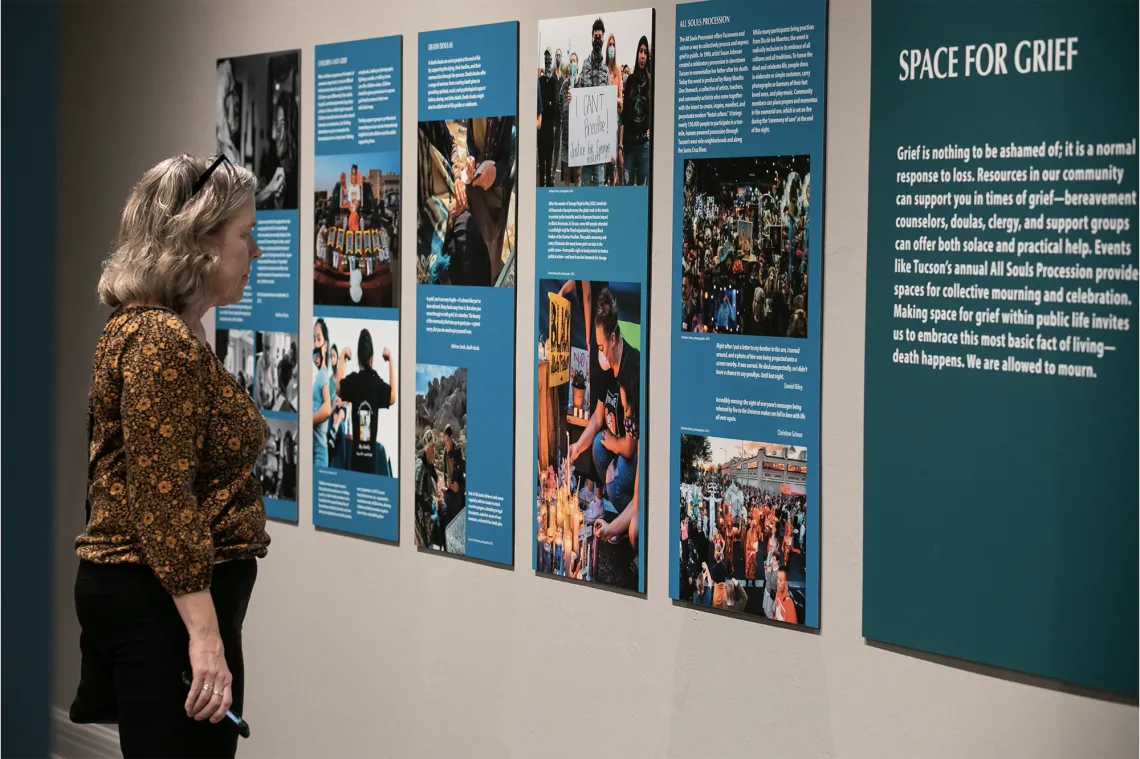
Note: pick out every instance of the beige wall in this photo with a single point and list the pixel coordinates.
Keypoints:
(360, 649)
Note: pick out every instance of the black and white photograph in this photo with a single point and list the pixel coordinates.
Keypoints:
(257, 116)
(745, 246)
(234, 348)
(276, 374)
(277, 467)
(583, 53)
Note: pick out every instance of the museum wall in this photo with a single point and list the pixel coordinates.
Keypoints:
(355, 648)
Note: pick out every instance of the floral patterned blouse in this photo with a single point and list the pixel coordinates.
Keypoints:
(174, 440)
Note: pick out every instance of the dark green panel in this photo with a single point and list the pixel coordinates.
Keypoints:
(1000, 509)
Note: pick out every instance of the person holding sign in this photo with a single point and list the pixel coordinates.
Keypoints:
(595, 73)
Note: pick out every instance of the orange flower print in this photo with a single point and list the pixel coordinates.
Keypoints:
(187, 516)
(143, 404)
(227, 392)
(223, 495)
(148, 518)
(149, 349)
(117, 489)
(166, 430)
(143, 461)
(170, 375)
(234, 444)
(165, 486)
(183, 465)
(132, 328)
(174, 323)
(187, 408)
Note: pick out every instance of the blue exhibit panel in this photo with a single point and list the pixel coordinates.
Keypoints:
(468, 72)
(488, 355)
(749, 117)
(358, 96)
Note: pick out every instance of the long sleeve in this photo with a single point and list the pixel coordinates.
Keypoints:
(163, 413)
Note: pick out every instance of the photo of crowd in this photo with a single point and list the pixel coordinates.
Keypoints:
(234, 348)
(441, 468)
(277, 467)
(589, 511)
(466, 212)
(614, 49)
(357, 223)
(256, 114)
(743, 519)
(276, 377)
(355, 421)
(745, 246)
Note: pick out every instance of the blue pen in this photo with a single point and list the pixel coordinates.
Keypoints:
(242, 725)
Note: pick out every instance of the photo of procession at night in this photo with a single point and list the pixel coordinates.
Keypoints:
(745, 246)
(744, 526)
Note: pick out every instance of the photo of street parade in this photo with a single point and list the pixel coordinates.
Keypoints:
(441, 469)
(467, 181)
(589, 516)
(357, 221)
(611, 50)
(745, 246)
(743, 518)
(355, 420)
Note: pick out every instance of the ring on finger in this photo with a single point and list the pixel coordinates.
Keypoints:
(207, 687)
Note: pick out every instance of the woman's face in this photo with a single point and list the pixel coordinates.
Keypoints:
(236, 252)
(280, 133)
(318, 337)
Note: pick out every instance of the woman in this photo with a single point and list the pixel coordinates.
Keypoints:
(322, 395)
(175, 517)
(613, 170)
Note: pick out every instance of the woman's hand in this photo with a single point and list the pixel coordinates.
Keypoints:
(211, 690)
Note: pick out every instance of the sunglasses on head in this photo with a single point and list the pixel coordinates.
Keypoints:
(201, 181)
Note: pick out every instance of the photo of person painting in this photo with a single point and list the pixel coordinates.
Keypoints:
(466, 206)
(589, 508)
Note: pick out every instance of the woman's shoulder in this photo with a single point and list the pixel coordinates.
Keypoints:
(152, 331)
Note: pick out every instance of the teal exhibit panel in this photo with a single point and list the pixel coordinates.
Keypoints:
(747, 265)
(1000, 451)
(356, 288)
(256, 126)
(592, 220)
(467, 177)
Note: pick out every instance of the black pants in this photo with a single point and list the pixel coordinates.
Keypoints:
(135, 649)
(545, 160)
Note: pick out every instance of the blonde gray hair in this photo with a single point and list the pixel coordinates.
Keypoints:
(160, 257)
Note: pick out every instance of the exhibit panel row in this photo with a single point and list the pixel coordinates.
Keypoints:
(1001, 366)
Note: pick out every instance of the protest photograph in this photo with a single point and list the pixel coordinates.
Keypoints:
(356, 209)
(743, 516)
(276, 377)
(277, 466)
(589, 510)
(441, 455)
(234, 348)
(355, 418)
(595, 100)
(467, 185)
(745, 246)
(256, 115)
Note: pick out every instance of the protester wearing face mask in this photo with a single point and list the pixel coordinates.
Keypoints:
(570, 174)
(637, 107)
(594, 74)
(548, 94)
(613, 170)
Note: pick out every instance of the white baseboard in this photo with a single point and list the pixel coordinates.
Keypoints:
(72, 741)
